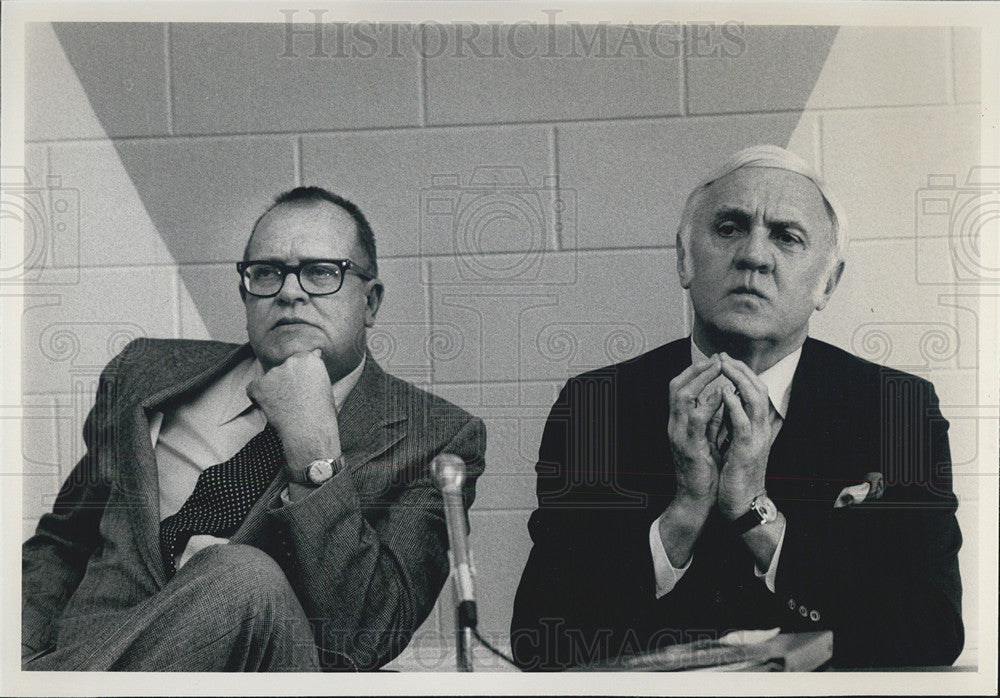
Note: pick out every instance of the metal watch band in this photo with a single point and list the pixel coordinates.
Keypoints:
(317, 472)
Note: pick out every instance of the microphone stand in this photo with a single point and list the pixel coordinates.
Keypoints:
(449, 475)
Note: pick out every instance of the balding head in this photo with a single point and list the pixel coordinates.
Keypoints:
(777, 158)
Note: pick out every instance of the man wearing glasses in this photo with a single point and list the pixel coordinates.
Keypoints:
(263, 507)
(748, 476)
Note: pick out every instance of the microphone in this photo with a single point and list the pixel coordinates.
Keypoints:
(448, 471)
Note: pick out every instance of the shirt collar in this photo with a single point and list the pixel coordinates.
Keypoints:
(777, 379)
(235, 383)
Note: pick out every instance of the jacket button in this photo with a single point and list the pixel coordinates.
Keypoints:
(814, 616)
(718, 597)
(803, 611)
(791, 604)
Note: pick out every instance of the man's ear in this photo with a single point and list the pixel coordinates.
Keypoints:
(683, 264)
(827, 288)
(374, 291)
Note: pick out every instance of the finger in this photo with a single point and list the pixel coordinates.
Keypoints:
(710, 399)
(683, 378)
(752, 391)
(737, 415)
(715, 422)
(684, 394)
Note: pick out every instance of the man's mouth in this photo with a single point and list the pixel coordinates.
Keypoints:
(291, 321)
(748, 291)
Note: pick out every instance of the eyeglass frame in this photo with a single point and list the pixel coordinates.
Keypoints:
(345, 266)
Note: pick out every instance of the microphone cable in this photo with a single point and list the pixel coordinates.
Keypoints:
(494, 650)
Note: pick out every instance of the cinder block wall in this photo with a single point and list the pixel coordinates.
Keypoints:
(164, 142)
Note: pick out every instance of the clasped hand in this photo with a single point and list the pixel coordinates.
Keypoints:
(718, 395)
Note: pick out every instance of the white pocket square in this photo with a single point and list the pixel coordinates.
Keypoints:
(872, 488)
(851, 495)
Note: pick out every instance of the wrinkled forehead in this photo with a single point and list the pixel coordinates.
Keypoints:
(304, 229)
(769, 193)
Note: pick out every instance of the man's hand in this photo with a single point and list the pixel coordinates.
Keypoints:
(744, 464)
(297, 399)
(695, 397)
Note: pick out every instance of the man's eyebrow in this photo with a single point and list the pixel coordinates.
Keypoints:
(739, 215)
(731, 213)
(787, 225)
(272, 259)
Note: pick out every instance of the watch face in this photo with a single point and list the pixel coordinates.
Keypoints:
(320, 471)
(766, 509)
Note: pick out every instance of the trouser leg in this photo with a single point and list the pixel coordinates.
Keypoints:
(229, 608)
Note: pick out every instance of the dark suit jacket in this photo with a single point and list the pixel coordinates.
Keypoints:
(383, 559)
(883, 575)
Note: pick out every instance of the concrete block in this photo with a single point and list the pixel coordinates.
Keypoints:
(760, 68)
(496, 73)
(210, 305)
(631, 179)
(114, 223)
(42, 470)
(880, 163)
(967, 43)
(203, 195)
(551, 332)
(402, 340)
(792, 68)
(47, 216)
(500, 546)
(435, 192)
(69, 332)
(56, 103)
(881, 314)
(122, 69)
(255, 78)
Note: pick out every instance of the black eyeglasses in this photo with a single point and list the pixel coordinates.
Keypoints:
(317, 277)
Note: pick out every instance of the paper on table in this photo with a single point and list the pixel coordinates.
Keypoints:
(748, 637)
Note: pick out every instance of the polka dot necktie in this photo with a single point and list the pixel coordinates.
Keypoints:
(223, 495)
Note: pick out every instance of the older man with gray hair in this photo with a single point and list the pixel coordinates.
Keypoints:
(746, 477)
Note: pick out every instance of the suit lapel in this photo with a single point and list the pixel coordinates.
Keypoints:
(372, 418)
(142, 479)
(371, 421)
(795, 472)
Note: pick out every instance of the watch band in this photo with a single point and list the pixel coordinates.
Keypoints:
(762, 511)
(317, 472)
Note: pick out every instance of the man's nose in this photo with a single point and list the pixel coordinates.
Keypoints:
(291, 289)
(755, 253)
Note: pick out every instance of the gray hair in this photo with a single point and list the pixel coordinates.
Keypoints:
(777, 158)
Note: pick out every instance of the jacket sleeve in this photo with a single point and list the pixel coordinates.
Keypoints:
(55, 558)
(369, 569)
(883, 574)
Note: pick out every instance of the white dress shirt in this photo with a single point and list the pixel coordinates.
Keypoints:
(211, 429)
(778, 380)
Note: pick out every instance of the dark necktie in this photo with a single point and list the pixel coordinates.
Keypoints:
(223, 495)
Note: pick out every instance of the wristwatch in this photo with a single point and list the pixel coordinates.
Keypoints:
(317, 472)
(762, 511)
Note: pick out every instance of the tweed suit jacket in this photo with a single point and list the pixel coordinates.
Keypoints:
(882, 574)
(365, 552)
